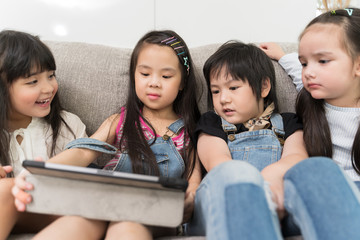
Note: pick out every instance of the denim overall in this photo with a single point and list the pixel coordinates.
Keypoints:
(235, 191)
(168, 158)
(260, 148)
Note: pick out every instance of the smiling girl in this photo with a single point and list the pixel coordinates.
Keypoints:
(32, 122)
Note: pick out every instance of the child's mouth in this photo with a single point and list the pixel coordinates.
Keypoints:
(43, 101)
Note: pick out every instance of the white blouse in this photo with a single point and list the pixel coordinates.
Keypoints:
(37, 139)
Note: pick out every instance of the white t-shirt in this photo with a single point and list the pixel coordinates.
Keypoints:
(37, 139)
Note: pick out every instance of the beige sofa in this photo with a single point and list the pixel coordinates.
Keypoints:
(93, 82)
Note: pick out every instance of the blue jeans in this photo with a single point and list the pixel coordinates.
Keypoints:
(233, 201)
(323, 201)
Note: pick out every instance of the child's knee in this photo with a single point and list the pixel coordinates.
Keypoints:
(234, 172)
(128, 230)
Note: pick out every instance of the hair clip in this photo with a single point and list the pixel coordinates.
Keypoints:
(333, 12)
(186, 63)
(349, 11)
(167, 39)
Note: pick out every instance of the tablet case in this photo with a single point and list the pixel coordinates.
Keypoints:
(105, 195)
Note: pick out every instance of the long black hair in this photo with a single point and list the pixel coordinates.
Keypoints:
(317, 135)
(20, 53)
(185, 105)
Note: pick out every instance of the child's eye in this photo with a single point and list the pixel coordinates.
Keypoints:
(145, 74)
(32, 82)
(166, 77)
(52, 76)
(233, 88)
(324, 61)
(304, 64)
(215, 91)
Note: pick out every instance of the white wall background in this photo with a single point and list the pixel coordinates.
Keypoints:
(122, 22)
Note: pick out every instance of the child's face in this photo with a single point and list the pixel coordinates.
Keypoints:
(157, 77)
(234, 100)
(328, 71)
(32, 96)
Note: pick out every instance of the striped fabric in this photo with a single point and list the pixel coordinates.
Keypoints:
(343, 123)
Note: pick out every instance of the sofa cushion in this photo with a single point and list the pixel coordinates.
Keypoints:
(93, 80)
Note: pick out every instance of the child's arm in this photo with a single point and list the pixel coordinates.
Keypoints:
(212, 151)
(83, 157)
(293, 152)
(194, 182)
(75, 156)
(289, 62)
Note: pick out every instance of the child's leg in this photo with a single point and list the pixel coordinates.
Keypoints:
(8, 211)
(322, 200)
(231, 203)
(128, 231)
(73, 227)
(17, 222)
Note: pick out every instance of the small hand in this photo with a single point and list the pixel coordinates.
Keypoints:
(4, 170)
(278, 197)
(273, 50)
(18, 191)
(188, 206)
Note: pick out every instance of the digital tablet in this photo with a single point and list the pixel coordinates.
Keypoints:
(104, 176)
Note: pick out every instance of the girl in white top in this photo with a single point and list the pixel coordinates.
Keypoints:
(32, 122)
(328, 101)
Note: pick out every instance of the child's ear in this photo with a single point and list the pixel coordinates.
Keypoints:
(357, 66)
(266, 87)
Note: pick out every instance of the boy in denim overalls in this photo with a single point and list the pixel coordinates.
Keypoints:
(241, 198)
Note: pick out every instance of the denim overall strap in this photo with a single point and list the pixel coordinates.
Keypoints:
(229, 129)
(278, 127)
(92, 144)
(176, 126)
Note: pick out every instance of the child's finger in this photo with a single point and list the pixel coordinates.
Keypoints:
(20, 206)
(39, 159)
(2, 173)
(8, 169)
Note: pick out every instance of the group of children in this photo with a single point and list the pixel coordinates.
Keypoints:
(285, 164)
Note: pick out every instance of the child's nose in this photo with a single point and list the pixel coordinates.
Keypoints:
(155, 81)
(224, 97)
(309, 72)
(47, 86)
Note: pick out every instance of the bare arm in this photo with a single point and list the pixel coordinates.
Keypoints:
(76, 156)
(294, 151)
(83, 157)
(212, 151)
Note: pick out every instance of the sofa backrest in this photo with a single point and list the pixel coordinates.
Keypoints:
(93, 79)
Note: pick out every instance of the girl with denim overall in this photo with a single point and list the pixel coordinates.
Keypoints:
(149, 136)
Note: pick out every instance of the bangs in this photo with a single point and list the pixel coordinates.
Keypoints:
(234, 69)
(26, 58)
(38, 59)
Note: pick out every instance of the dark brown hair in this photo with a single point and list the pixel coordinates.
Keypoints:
(317, 135)
(185, 105)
